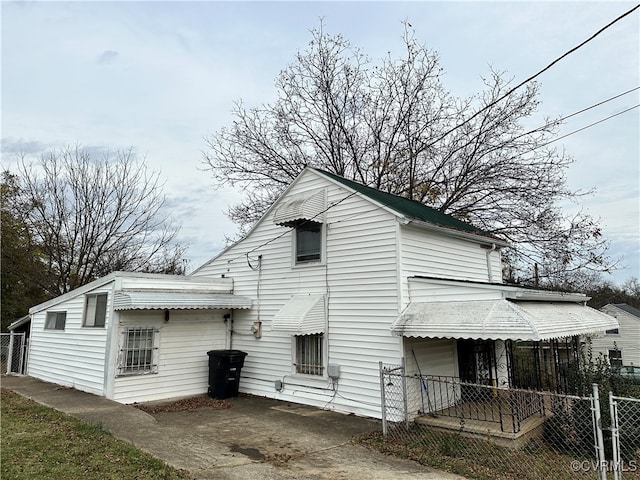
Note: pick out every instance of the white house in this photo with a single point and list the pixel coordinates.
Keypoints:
(344, 276)
(133, 337)
(620, 345)
(335, 278)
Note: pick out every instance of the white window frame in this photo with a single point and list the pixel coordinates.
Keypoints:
(51, 320)
(91, 310)
(615, 361)
(294, 246)
(310, 368)
(127, 363)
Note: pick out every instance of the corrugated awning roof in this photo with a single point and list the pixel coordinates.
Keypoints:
(302, 315)
(306, 206)
(500, 319)
(153, 300)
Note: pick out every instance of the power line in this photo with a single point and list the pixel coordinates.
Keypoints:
(590, 125)
(542, 127)
(273, 239)
(535, 75)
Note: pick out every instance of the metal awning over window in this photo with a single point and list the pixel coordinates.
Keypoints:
(154, 300)
(307, 206)
(500, 319)
(302, 315)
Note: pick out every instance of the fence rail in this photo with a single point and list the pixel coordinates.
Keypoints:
(505, 432)
(13, 351)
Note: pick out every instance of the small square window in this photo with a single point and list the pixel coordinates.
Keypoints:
(308, 241)
(95, 310)
(55, 320)
(309, 357)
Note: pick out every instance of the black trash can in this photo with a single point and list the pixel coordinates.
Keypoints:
(224, 372)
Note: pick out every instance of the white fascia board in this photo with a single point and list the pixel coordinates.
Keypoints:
(255, 225)
(452, 232)
(117, 277)
(510, 292)
(74, 293)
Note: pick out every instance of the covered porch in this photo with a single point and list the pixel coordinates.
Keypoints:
(482, 366)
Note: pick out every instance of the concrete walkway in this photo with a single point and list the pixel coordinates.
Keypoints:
(256, 438)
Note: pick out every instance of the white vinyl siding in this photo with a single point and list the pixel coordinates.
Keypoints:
(74, 357)
(182, 361)
(627, 341)
(434, 357)
(426, 290)
(359, 279)
(433, 254)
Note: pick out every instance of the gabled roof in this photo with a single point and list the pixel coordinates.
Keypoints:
(410, 209)
(627, 308)
(400, 206)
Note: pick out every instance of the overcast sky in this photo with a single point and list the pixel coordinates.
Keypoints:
(160, 76)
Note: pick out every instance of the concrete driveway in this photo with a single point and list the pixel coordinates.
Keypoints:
(255, 438)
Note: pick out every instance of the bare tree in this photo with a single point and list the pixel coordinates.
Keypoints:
(392, 125)
(93, 216)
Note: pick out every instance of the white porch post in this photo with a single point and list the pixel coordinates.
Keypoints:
(502, 365)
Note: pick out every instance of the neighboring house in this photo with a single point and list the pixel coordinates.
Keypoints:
(133, 337)
(621, 346)
(345, 277)
(333, 281)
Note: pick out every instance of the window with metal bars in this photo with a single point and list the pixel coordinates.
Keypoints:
(309, 358)
(139, 351)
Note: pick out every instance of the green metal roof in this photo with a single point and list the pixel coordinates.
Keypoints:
(408, 208)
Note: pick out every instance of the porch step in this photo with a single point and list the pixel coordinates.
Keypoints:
(487, 431)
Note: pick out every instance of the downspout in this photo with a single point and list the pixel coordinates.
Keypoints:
(489, 252)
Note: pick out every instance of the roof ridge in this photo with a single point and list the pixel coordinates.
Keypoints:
(408, 207)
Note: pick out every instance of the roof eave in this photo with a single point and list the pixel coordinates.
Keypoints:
(452, 232)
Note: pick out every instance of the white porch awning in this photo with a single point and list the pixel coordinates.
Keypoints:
(302, 315)
(500, 319)
(154, 300)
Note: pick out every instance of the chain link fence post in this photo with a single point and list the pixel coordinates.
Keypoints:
(597, 423)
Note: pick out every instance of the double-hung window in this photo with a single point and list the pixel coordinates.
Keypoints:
(308, 241)
(95, 310)
(615, 358)
(309, 356)
(139, 351)
(55, 320)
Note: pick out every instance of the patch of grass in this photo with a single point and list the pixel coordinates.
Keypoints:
(38, 442)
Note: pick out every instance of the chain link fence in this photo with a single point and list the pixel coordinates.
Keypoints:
(13, 350)
(482, 431)
(625, 436)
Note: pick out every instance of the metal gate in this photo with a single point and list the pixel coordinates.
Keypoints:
(13, 352)
(625, 435)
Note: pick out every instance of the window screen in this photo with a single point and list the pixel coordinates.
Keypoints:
(308, 242)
